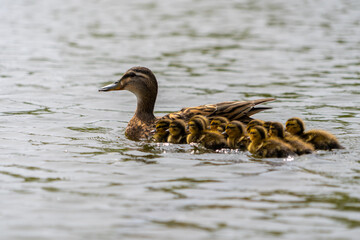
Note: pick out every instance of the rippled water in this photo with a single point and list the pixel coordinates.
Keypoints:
(68, 172)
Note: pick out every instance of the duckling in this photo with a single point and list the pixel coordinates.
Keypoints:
(161, 132)
(300, 147)
(196, 128)
(254, 122)
(177, 131)
(142, 82)
(262, 146)
(199, 134)
(218, 124)
(237, 138)
(213, 140)
(320, 139)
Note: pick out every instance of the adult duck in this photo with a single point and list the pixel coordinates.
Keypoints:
(142, 82)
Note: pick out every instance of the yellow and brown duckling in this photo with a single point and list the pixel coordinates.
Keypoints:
(263, 146)
(199, 134)
(142, 82)
(320, 139)
(253, 123)
(196, 129)
(300, 147)
(161, 131)
(237, 138)
(177, 131)
(218, 124)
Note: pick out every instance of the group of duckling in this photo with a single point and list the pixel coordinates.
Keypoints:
(261, 138)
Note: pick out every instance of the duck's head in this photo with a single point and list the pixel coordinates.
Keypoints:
(138, 80)
(257, 134)
(142, 82)
(177, 127)
(217, 123)
(235, 129)
(254, 122)
(295, 126)
(276, 130)
(196, 125)
(162, 126)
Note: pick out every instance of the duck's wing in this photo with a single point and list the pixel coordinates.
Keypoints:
(233, 110)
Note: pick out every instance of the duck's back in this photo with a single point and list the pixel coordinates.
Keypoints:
(321, 140)
(275, 148)
(234, 110)
(300, 147)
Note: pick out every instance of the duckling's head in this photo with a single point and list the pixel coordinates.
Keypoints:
(177, 127)
(295, 126)
(254, 122)
(267, 125)
(257, 134)
(276, 130)
(218, 122)
(196, 125)
(202, 118)
(162, 126)
(235, 129)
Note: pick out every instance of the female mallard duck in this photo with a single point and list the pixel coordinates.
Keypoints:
(300, 147)
(161, 130)
(320, 139)
(199, 134)
(262, 146)
(177, 131)
(237, 138)
(142, 82)
(218, 124)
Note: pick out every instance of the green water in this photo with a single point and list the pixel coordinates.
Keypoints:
(68, 172)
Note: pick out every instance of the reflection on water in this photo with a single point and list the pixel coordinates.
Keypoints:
(67, 171)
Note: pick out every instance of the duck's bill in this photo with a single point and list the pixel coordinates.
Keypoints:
(110, 87)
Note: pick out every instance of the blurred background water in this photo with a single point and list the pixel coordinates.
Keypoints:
(68, 172)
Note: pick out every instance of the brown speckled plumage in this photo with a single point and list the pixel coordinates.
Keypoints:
(142, 82)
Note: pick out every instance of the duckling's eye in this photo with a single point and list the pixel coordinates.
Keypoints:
(229, 127)
(174, 126)
(191, 125)
(160, 126)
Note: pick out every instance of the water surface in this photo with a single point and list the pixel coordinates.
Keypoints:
(68, 171)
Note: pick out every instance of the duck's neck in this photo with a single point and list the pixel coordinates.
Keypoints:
(145, 109)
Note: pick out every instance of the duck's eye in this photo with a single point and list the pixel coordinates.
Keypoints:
(160, 126)
(230, 127)
(191, 125)
(130, 74)
(174, 126)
